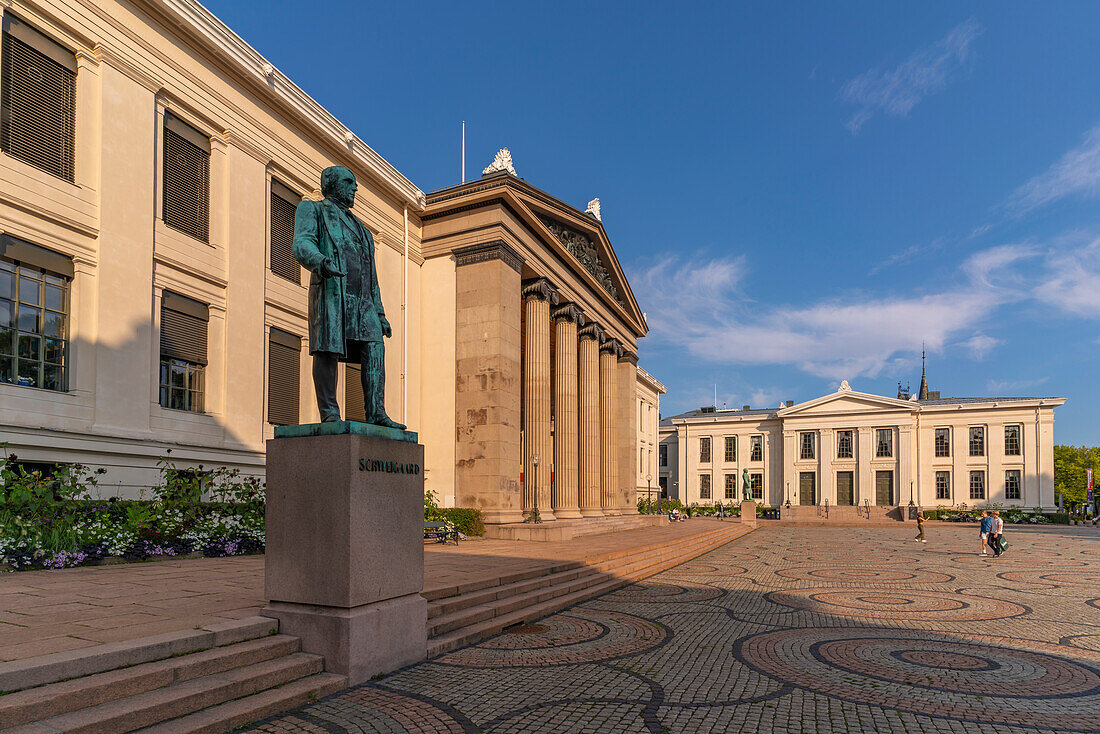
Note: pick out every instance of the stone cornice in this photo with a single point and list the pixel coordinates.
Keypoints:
(628, 356)
(204, 26)
(484, 251)
(570, 312)
(592, 331)
(540, 289)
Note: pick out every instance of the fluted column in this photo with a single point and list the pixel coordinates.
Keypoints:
(588, 398)
(538, 295)
(565, 494)
(609, 443)
(627, 412)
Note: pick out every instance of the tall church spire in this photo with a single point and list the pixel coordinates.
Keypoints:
(923, 394)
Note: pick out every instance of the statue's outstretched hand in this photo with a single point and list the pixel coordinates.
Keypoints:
(328, 269)
(387, 330)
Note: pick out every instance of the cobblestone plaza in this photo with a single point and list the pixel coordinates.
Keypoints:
(787, 629)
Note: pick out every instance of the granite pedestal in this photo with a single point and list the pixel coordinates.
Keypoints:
(345, 556)
(748, 513)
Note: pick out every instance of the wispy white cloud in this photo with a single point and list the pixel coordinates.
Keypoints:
(1071, 277)
(926, 71)
(1011, 386)
(980, 345)
(1077, 173)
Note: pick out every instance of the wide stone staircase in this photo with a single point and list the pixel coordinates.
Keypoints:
(477, 610)
(209, 680)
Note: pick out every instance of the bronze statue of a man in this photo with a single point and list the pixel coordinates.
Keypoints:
(346, 320)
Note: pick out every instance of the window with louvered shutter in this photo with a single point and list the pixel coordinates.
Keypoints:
(37, 100)
(186, 181)
(183, 334)
(354, 407)
(283, 374)
(284, 202)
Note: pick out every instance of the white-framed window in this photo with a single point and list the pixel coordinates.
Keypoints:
(977, 484)
(663, 454)
(943, 485)
(731, 486)
(806, 445)
(1012, 484)
(756, 484)
(977, 440)
(283, 205)
(844, 445)
(704, 486)
(756, 448)
(731, 449)
(183, 344)
(884, 443)
(943, 442)
(1012, 440)
(34, 316)
(704, 450)
(185, 180)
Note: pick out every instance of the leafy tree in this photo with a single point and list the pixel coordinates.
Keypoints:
(1070, 463)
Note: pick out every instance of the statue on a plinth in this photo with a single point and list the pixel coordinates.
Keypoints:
(346, 319)
(746, 485)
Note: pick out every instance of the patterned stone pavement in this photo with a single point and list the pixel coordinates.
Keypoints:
(785, 630)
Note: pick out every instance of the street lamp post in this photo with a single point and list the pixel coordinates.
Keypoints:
(534, 516)
(649, 492)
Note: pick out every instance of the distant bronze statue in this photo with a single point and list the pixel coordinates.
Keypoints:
(346, 320)
(746, 484)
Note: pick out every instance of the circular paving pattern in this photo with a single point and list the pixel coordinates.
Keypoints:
(656, 592)
(865, 575)
(1090, 578)
(901, 604)
(991, 680)
(849, 559)
(568, 639)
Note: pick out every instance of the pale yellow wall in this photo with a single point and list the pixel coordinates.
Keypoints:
(132, 71)
(437, 365)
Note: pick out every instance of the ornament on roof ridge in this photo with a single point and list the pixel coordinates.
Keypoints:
(502, 161)
(844, 386)
(594, 209)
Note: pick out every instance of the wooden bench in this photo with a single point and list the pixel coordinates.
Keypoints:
(439, 532)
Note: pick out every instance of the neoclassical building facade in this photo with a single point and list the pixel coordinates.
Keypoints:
(151, 162)
(850, 448)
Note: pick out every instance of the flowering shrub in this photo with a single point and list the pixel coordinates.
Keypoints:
(52, 521)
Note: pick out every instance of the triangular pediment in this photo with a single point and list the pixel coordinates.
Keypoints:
(847, 401)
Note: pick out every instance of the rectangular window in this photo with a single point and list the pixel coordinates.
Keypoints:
(731, 448)
(943, 485)
(663, 450)
(943, 442)
(843, 444)
(183, 339)
(284, 202)
(756, 448)
(704, 450)
(977, 441)
(756, 483)
(355, 407)
(37, 99)
(731, 486)
(1012, 484)
(34, 315)
(704, 486)
(641, 461)
(977, 485)
(806, 445)
(186, 179)
(884, 443)
(1012, 440)
(284, 352)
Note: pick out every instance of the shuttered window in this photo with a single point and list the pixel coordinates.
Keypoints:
(37, 99)
(283, 204)
(183, 337)
(354, 407)
(283, 377)
(186, 181)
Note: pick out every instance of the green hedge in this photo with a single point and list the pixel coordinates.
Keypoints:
(467, 520)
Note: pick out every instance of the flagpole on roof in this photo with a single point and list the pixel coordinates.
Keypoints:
(463, 151)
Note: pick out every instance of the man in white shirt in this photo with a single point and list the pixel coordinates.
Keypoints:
(995, 534)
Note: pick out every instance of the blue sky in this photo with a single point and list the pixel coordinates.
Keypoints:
(799, 193)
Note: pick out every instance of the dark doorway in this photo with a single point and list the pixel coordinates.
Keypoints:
(807, 494)
(884, 488)
(845, 488)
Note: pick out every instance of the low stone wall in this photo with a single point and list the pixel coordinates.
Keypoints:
(843, 513)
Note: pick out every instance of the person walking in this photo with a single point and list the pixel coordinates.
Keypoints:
(984, 528)
(997, 530)
(920, 526)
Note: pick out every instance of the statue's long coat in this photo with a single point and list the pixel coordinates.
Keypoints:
(322, 229)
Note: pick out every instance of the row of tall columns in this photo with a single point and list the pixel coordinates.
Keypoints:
(588, 441)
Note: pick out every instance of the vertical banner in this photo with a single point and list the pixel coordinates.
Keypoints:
(1088, 485)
